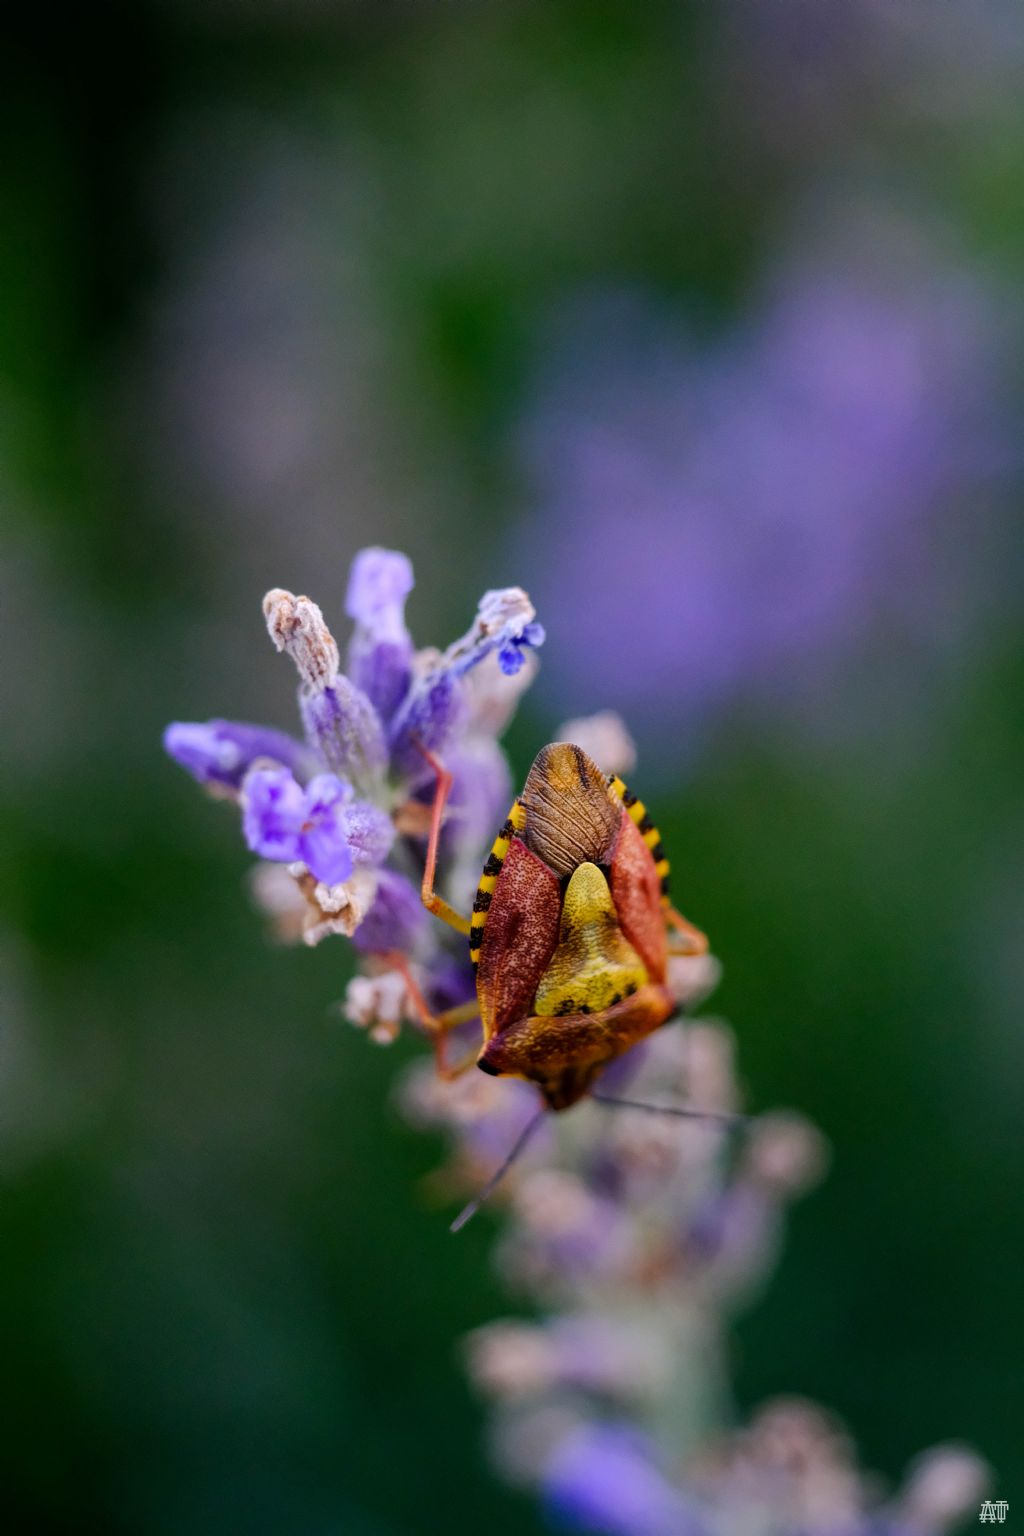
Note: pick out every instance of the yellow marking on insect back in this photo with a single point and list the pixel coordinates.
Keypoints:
(594, 966)
(652, 837)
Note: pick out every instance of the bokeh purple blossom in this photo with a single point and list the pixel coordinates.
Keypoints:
(746, 507)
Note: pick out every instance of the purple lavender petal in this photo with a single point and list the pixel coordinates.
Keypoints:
(323, 825)
(602, 1480)
(480, 796)
(397, 918)
(326, 793)
(380, 652)
(505, 623)
(512, 652)
(378, 584)
(275, 810)
(450, 981)
(222, 751)
(427, 719)
(383, 671)
(345, 729)
(323, 840)
(324, 851)
(369, 832)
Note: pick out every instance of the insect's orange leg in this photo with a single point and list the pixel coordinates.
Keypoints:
(431, 900)
(690, 939)
(438, 1025)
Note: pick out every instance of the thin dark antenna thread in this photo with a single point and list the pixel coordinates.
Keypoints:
(722, 1117)
(469, 1211)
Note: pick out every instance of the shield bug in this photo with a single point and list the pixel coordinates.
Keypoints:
(570, 935)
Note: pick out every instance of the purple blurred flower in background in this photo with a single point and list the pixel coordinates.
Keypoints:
(603, 1479)
(380, 652)
(727, 519)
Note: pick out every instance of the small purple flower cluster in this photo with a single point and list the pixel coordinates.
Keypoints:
(340, 817)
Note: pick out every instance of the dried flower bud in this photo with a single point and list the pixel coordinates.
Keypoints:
(508, 1359)
(335, 908)
(709, 1051)
(552, 1203)
(786, 1154)
(296, 626)
(692, 978)
(378, 1004)
(943, 1486)
(276, 893)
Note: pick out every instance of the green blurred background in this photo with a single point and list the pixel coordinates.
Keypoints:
(271, 281)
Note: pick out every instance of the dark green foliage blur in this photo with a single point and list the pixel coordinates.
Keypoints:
(230, 1302)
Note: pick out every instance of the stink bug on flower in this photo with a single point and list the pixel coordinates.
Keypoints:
(570, 935)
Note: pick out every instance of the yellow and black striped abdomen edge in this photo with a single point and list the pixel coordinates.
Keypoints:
(515, 822)
(637, 812)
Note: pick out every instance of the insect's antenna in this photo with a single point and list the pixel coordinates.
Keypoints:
(495, 1179)
(721, 1117)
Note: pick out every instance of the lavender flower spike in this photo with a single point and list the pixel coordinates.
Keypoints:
(506, 624)
(341, 723)
(380, 651)
(221, 752)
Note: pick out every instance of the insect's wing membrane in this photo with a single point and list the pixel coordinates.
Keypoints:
(636, 892)
(519, 938)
